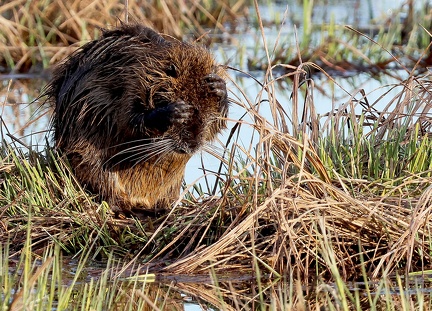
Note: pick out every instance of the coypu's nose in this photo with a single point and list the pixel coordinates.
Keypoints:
(189, 141)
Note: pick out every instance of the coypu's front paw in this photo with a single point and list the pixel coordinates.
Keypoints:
(180, 112)
(162, 118)
(217, 86)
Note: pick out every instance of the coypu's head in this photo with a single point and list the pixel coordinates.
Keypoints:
(134, 95)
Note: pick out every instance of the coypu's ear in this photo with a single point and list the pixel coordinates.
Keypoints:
(149, 35)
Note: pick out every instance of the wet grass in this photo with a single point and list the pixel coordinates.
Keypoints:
(318, 201)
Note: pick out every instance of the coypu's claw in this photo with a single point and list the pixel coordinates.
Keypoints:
(217, 86)
(180, 112)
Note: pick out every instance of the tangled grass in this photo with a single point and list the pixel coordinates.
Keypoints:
(336, 198)
(315, 199)
(36, 34)
(353, 188)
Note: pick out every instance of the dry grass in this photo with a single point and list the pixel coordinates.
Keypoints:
(289, 209)
(287, 203)
(339, 197)
(35, 34)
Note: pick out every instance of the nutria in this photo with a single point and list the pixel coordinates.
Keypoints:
(130, 109)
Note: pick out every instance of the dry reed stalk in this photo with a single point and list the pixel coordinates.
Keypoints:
(299, 203)
(282, 206)
(41, 32)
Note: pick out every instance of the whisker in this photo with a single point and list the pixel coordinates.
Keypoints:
(141, 140)
(165, 150)
(143, 152)
(147, 146)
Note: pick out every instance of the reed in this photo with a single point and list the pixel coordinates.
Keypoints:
(318, 201)
(36, 34)
(335, 198)
(347, 50)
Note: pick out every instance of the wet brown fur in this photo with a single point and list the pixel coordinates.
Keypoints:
(131, 108)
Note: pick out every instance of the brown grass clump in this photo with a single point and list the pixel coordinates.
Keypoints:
(324, 203)
(35, 34)
(284, 206)
(335, 197)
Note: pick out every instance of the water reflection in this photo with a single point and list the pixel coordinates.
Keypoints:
(360, 12)
(22, 119)
(224, 292)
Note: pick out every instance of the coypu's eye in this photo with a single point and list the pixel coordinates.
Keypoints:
(172, 71)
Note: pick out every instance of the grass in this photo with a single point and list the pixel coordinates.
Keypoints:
(329, 211)
(46, 286)
(36, 34)
(347, 49)
(340, 199)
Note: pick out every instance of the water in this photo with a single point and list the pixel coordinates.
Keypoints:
(330, 97)
(222, 292)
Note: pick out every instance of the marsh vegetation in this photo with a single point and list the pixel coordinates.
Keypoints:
(307, 206)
